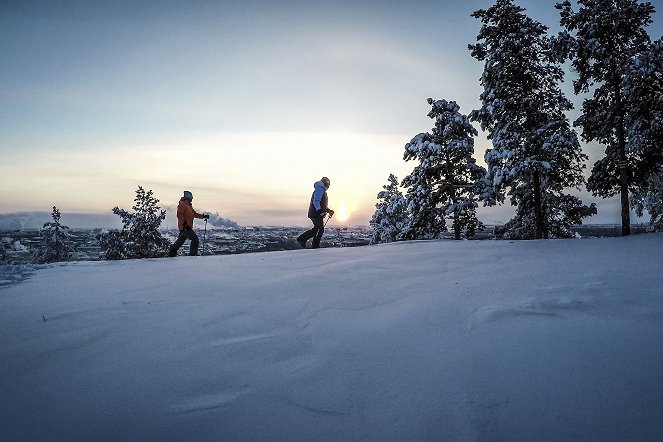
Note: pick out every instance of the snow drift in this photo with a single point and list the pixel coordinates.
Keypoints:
(439, 340)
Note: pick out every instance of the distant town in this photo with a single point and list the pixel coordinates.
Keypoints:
(20, 244)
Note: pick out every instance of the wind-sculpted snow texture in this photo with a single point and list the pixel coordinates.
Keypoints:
(434, 340)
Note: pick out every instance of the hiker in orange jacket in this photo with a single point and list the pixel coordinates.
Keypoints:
(185, 216)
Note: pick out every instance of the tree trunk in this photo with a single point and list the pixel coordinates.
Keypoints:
(456, 225)
(538, 212)
(621, 151)
(626, 212)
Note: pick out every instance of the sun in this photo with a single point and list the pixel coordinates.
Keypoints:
(341, 214)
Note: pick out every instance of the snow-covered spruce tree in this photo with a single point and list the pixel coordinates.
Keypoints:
(140, 236)
(536, 154)
(55, 241)
(602, 39)
(443, 186)
(390, 217)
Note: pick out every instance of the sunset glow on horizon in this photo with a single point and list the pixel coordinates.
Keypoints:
(246, 104)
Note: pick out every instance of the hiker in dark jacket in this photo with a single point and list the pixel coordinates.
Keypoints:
(185, 216)
(316, 213)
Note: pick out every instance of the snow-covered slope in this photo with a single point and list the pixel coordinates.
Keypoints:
(441, 340)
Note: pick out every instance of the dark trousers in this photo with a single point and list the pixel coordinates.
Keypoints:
(315, 233)
(184, 235)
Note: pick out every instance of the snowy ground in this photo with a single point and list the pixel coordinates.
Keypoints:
(440, 340)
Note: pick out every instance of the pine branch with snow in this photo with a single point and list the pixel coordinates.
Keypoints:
(650, 199)
(643, 87)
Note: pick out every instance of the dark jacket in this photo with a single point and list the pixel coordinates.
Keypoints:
(318, 204)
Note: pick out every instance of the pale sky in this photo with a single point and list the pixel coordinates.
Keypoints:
(244, 103)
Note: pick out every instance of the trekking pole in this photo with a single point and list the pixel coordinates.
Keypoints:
(327, 220)
(204, 237)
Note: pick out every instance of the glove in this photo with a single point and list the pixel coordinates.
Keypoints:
(331, 212)
(321, 212)
(206, 217)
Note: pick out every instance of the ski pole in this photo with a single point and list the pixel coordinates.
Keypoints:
(204, 236)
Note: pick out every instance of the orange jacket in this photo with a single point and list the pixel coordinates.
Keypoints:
(186, 214)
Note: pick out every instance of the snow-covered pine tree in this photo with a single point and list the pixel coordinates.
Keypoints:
(643, 88)
(536, 154)
(140, 236)
(602, 39)
(443, 186)
(390, 217)
(55, 244)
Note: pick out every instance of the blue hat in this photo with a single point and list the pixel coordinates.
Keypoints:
(188, 195)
